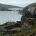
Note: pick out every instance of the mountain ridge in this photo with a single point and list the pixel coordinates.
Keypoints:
(10, 6)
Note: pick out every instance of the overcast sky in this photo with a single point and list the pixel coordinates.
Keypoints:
(21, 3)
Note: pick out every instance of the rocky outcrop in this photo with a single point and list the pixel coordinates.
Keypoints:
(10, 27)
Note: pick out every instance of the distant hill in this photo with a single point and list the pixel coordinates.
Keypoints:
(9, 6)
(4, 7)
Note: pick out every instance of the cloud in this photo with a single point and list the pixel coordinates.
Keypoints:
(21, 3)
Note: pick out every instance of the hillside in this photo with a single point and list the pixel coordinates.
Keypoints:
(28, 8)
(9, 6)
(4, 7)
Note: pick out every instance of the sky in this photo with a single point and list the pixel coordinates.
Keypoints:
(11, 16)
(21, 3)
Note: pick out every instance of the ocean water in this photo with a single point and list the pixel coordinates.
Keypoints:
(12, 16)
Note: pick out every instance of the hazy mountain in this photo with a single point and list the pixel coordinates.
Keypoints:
(4, 7)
